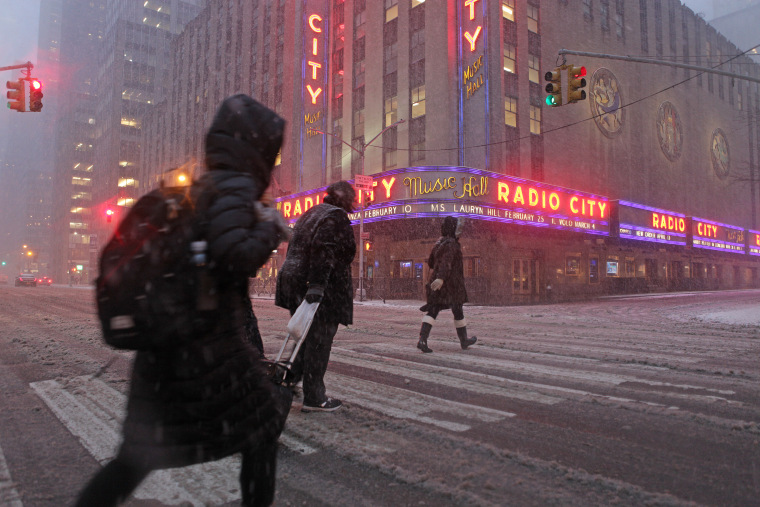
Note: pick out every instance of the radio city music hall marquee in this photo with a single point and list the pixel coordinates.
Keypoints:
(482, 195)
(644, 223)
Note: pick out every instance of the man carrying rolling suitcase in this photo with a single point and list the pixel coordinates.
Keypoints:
(317, 269)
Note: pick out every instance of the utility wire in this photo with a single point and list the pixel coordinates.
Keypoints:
(561, 127)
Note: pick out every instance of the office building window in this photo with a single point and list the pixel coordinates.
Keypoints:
(533, 68)
(508, 9)
(620, 19)
(535, 120)
(510, 55)
(604, 14)
(391, 110)
(418, 101)
(533, 18)
(510, 111)
(391, 10)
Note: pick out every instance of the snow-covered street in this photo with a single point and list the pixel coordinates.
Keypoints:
(637, 400)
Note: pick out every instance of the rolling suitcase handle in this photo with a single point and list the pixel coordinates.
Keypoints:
(298, 326)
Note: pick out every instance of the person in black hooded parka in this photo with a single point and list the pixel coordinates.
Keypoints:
(317, 267)
(209, 397)
(446, 289)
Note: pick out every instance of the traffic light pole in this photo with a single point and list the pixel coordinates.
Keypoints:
(653, 61)
(28, 66)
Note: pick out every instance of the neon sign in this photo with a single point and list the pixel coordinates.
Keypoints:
(472, 77)
(315, 25)
(435, 191)
(753, 243)
(644, 223)
(716, 236)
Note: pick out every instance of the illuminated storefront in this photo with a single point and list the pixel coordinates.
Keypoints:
(529, 242)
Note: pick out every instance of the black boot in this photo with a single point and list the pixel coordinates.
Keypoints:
(463, 340)
(424, 333)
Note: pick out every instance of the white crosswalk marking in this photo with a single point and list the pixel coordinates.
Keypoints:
(93, 411)
(9, 497)
(405, 404)
(457, 378)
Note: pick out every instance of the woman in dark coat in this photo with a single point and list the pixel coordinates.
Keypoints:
(317, 268)
(446, 289)
(207, 398)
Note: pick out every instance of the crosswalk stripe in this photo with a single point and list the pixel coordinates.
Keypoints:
(480, 363)
(442, 375)
(92, 411)
(9, 496)
(406, 404)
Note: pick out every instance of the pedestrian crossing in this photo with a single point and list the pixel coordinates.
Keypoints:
(93, 411)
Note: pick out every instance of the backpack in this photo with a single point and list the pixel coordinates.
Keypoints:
(155, 288)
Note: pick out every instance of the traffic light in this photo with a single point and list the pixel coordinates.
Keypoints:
(109, 215)
(368, 246)
(4, 263)
(575, 83)
(16, 95)
(35, 95)
(554, 87)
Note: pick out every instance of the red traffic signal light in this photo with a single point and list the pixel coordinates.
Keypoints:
(575, 84)
(16, 95)
(109, 215)
(35, 95)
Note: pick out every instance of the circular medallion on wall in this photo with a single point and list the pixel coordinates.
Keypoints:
(721, 159)
(669, 131)
(606, 102)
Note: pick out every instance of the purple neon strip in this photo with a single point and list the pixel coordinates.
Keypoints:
(470, 203)
(484, 218)
(649, 208)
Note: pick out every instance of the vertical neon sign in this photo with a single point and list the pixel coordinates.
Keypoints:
(473, 72)
(315, 24)
(314, 72)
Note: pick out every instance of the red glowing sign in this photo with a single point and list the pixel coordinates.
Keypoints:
(717, 236)
(472, 37)
(644, 223)
(754, 242)
(416, 192)
(315, 25)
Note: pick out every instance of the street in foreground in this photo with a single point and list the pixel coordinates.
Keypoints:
(642, 400)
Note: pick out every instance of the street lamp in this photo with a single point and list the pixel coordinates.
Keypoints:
(361, 151)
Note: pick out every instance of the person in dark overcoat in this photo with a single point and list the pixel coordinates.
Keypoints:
(208, 397)
(446, 288)
(317, 268)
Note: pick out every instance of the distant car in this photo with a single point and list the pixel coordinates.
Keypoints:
(45, 280)
(26, 279)
(3, 278)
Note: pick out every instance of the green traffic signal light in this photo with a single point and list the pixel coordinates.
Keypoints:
(16, 95)
(554, 87)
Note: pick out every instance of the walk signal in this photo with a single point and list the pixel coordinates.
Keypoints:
(16, 95)
(575, 84)
(554, 87)
(35, 95)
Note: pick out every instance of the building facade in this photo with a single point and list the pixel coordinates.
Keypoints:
(455, 89)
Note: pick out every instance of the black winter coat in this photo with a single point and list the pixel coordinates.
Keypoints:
(320, 253)
(446, 263)
(208, 398)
